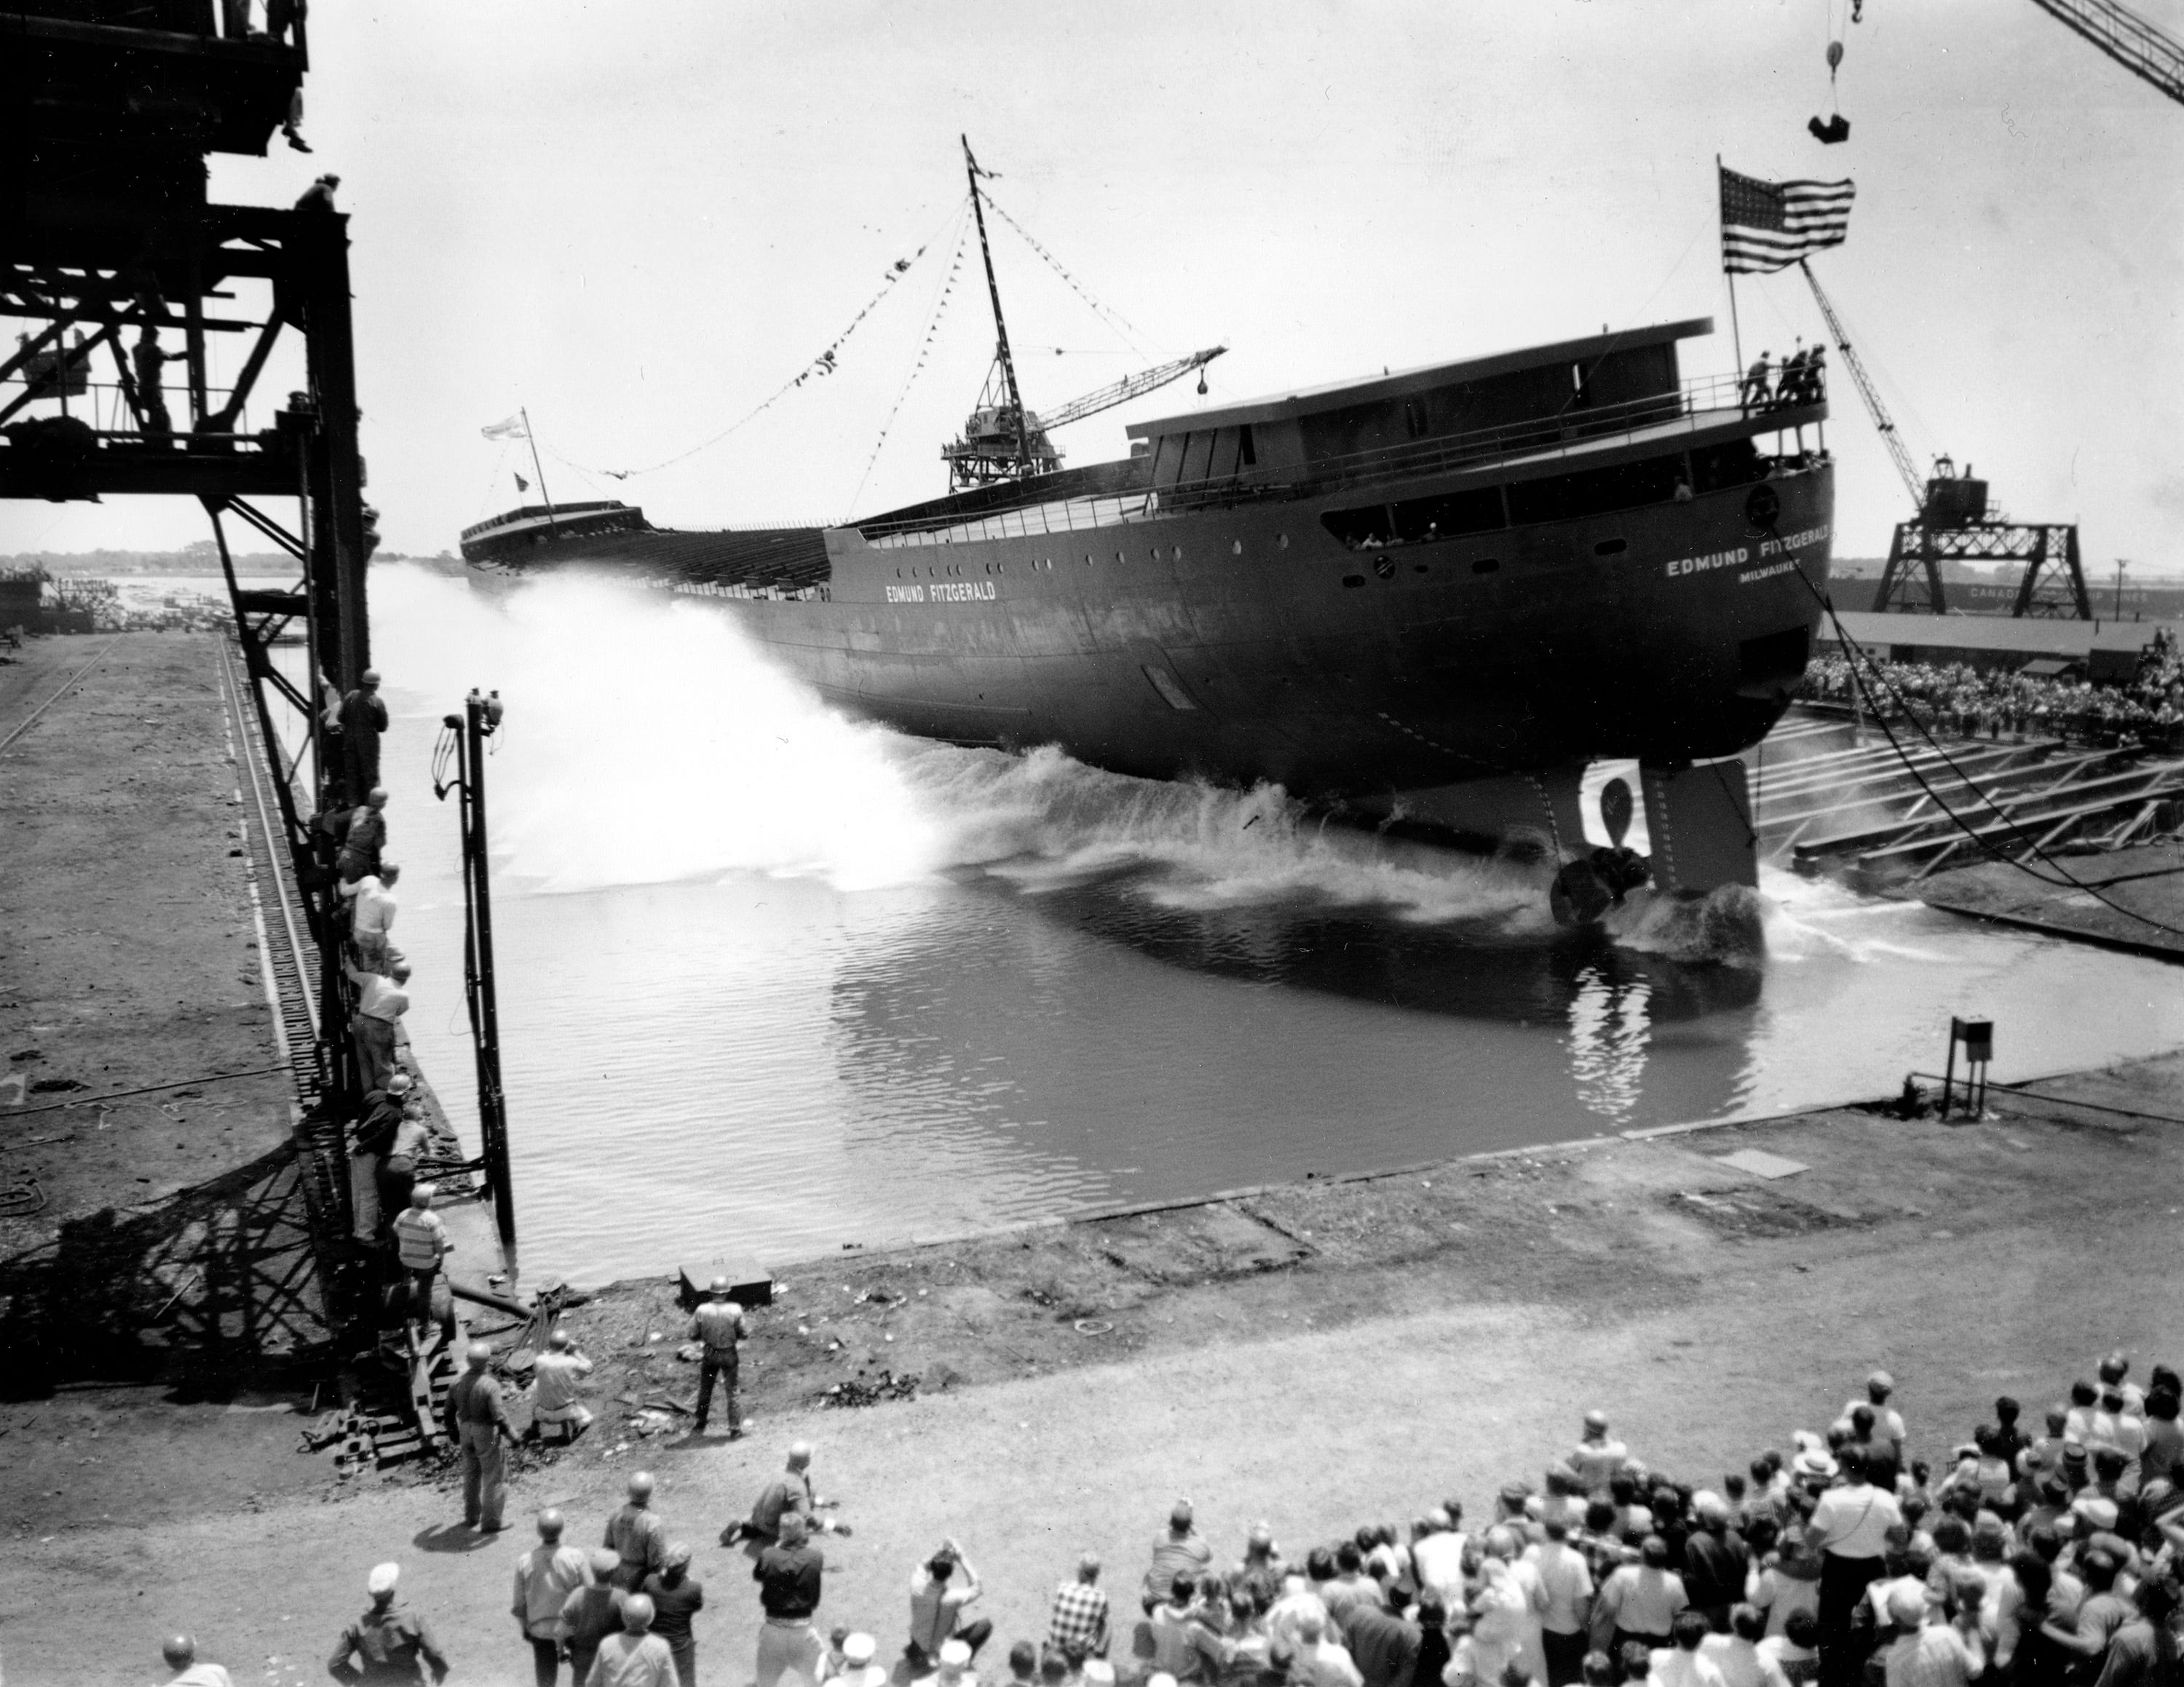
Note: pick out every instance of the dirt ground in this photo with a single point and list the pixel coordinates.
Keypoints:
(1321, 1356)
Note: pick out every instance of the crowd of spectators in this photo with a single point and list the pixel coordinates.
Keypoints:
(2045, 1555)
(1995, 703)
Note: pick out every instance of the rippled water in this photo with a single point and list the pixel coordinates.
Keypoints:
(772, 981)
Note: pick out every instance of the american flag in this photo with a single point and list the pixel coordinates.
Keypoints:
(1768, 225)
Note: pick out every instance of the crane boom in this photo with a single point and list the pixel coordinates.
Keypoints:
(2149, 52)
(1883, 422)
(1130, 386)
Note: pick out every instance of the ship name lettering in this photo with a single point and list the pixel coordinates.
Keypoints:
(1699, 565)
(1791, 542)
(905, 594)
(962, 591)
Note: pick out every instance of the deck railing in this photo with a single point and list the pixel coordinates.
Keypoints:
(1697, 403)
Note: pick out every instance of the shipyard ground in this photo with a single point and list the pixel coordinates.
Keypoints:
(1318, 1354)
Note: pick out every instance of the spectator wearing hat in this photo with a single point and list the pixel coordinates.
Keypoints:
(952, 1667)
(477, 1422)
(1598, 1457)
(636, 1535)
(420, 1243)
(858, 1669)
(545, 1577)
(635, 1657)
(717, 1326)
(363, 719)
(1850, 1526)
(1078, 1628)
(938, 1597)
(363, 837)
(592, 1612)
(372, 1141)
(389, 1643)
(556, 1376)
(180, 1652)
(677, 1597)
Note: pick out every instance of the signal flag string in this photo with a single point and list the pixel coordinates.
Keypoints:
(817, 368)
(924, 347)
(1115, 319)
(2063, 879)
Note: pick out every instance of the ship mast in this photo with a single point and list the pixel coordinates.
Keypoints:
(1000, 324)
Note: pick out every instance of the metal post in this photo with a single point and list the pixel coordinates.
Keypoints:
(481, 716)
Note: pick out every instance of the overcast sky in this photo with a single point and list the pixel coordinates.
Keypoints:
(639, 221)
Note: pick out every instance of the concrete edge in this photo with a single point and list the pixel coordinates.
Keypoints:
(2172, 952)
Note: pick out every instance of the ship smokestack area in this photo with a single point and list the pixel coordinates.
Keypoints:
(1081, 990)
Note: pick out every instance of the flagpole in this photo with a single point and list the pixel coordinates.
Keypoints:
(539, 468)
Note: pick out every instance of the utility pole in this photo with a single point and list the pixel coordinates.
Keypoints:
(2120, 565)
(480, 719)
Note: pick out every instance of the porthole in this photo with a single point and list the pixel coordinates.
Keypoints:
(1236, 548)
(1417, 568)
(1486, 564)
(1611, 547)
(1118, 557)
(1353, 580)
(1282, 541)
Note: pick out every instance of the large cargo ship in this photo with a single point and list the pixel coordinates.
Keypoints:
(1433, 596)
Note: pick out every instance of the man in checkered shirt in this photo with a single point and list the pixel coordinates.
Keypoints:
(1079, 1628)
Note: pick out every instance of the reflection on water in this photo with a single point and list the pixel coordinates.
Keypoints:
(772, 981)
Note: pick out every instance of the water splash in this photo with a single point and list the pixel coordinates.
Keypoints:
(651, 742)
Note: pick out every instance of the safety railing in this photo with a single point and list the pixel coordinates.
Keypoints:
(1697, 403)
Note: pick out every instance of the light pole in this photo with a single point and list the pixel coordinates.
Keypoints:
(2122, 565)
(466, 734)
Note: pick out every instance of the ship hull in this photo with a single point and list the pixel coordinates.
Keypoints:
(1247, 643)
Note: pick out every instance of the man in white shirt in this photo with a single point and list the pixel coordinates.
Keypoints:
(1320, 1661)
(380, 1005)
(371, 920)
(1850, 1525)
(1568, 1580)
(181, 1653)
(1930, 1654)
(555, 1376)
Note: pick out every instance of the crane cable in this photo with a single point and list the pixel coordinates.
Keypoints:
(2063, 880)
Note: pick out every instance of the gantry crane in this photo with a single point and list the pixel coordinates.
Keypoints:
(1952, 523)
(2134, 43)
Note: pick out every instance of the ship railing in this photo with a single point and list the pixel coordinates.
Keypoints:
(1699, 402)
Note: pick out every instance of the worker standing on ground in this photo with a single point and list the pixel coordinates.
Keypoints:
(789, 1573)
(372, 916)
(380, 1002)
(545, 1577)
(181, 1653)
(363, 719)
(717, 1326)
(421, 1241)
(364, 836)
(635, 1535)
(477, 1421)
(591, 1613)
(555, 1378)
(677, 1597)
(387, 1644)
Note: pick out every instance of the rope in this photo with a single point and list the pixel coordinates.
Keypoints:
(143, 1089)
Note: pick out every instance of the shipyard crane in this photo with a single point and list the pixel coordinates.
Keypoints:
(1130, 386)
(2149, 52)
(1952, 524)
